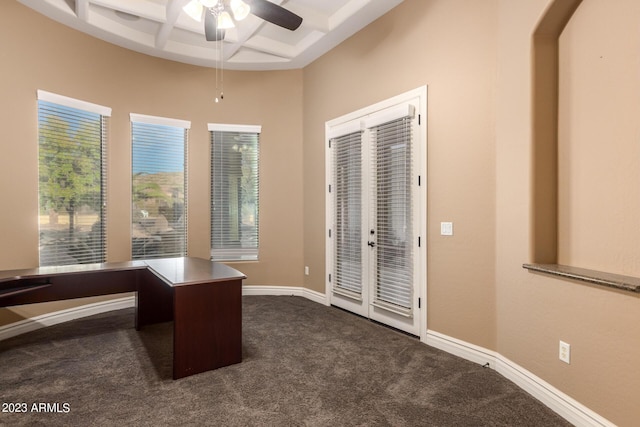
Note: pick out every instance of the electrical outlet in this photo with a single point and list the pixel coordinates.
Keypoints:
(565, 352)
(306, 270)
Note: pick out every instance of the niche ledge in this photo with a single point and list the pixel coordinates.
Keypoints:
(610, 280)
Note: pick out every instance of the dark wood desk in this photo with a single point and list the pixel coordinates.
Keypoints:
(203, 298)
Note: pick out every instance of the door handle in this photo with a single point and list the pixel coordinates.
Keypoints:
(372, 244)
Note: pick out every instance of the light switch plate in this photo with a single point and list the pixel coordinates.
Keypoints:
(565, 352)
(446, 229)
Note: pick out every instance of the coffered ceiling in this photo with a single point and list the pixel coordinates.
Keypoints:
(161, 28)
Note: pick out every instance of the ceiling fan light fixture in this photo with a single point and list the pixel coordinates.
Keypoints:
(240, 9)
(194, 10)
(224, 20)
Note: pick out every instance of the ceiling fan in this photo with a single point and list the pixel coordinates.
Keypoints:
(217, 18)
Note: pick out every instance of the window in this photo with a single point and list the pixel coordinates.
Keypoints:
(391, 187)
(159, 187)
(72, 137)
(234, 192)
(347, 180)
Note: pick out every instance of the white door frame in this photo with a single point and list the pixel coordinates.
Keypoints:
(333, 128)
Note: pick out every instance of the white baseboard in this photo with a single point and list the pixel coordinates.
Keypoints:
(562, 404)
(50, 319)
(461, 348)
(285, 290)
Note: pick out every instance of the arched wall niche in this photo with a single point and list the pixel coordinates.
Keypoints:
(584, 150)
(544, 191)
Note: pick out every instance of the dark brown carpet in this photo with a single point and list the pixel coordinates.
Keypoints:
(303, 364)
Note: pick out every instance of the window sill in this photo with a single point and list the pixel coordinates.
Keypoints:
(616, 281)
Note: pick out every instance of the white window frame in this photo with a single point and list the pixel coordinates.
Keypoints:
(105, 113)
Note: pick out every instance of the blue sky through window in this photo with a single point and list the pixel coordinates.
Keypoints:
(157, 148)
(74, 117)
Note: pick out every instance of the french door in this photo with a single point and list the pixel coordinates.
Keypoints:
(376, 254)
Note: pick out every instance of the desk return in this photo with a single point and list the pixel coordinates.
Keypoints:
(201, 297)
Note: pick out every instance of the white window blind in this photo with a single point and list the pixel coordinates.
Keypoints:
(347, 169)
(234, 192)
(392, 163)
(159, 187)
(72, 137)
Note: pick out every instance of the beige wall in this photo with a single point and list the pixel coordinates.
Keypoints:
(49, 56)
(599, 162)
(475, 56)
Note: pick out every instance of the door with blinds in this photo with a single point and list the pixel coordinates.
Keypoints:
(376, 257)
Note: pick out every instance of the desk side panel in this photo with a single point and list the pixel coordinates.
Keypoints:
(207, 327)
(154, 300)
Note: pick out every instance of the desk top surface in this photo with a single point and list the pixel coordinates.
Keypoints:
(191, 271)
(173, 271)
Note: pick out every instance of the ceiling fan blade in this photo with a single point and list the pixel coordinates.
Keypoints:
(275, 14)
(211, 30)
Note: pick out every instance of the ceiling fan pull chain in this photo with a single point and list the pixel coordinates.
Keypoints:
(220, 65)
(222, 70)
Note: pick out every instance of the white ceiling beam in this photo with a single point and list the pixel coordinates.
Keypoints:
(174, 9)
(347, 11)
(143, 8)
(244, 30)
(82, 9)
(273, 47)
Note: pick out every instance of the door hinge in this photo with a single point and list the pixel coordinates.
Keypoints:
(329, 143)
(329, 277)
(419, 180)
(419, 119)
(419, 302)
(329, 232)
(329, 188)
(419, 242)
